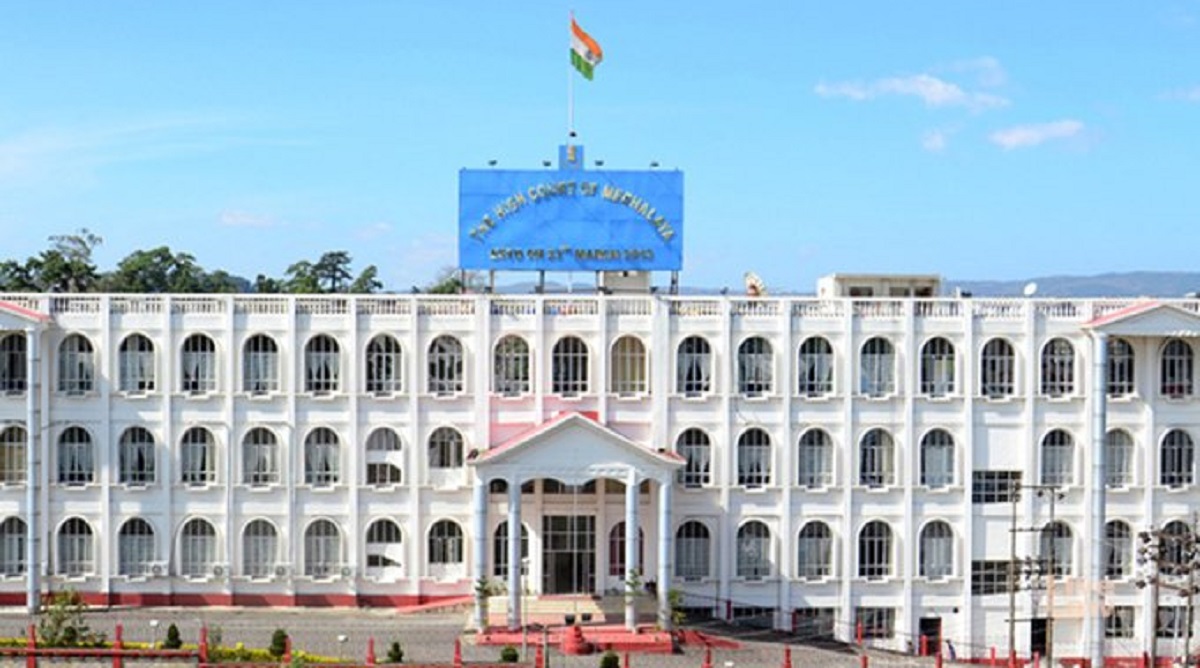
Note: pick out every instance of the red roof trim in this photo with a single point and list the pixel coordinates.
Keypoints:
(23, 312)
(1121, 314)
(535, 430)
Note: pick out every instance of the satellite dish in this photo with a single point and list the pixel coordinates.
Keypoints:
(1030, 289)
(754, 285)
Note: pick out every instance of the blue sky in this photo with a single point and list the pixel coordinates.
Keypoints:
(969, 139)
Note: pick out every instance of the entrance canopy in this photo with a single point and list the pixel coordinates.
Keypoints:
(574, 449)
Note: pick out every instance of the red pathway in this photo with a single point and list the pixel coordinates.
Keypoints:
(603, 637)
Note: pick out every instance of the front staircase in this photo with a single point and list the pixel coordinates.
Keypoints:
(553, 610)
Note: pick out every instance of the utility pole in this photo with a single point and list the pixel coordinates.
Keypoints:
(1171, 559)
(1047, 565)
(1015, 492)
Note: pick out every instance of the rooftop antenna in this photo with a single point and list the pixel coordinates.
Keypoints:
(1030, 289)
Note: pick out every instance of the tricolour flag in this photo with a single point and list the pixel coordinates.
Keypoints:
(586, 53)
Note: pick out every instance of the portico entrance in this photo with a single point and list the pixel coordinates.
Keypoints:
(568, 554)
(577, 461)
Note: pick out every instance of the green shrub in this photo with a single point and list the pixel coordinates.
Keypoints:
(610, 660)
(395, 653)
(509, 654)
(173, 640)
(279, 641)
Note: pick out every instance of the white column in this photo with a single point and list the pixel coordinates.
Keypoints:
(514, 554)
(665, 536)
(33, 597)
(479, 532)
(631, 552)
(1094, 633)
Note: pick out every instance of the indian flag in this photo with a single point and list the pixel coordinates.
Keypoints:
(586, 53)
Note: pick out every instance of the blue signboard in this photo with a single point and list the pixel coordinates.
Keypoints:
(570, 220)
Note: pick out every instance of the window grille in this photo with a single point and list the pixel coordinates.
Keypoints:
(445, 543)
(322, 549)
(321, 458)
(260, 457)
(445, 366)
(877, 459)
(815, 459)
(936, 559)
(13, 364)
(137, 457)
(754, 459)
(13, 533)
(445, 449)
(814, 552)
(385, 366)
(198, 365)
(878, 362)
(76, 365)
(260, 365)
(260, 545)
(937, 459)
(997, 369)
(135, 547)
(1120, 368)
(198, 457)
(1178, 368)
(693, 445)
(753, 551)
(1177, 460)
(693, 377)
(13, 442)
(322, 365)
(75, 457)
(510, 367)
(692, 549)
(569, 364)
(1058, 368)
(755, 362)
(76, 549)
(629, 367)
(816, 367)
(135, 362)
(1118, 458)
(937, 368)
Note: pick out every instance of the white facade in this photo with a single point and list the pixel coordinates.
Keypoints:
(846, 458)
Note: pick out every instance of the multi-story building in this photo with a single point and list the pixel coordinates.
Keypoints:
(854, 461)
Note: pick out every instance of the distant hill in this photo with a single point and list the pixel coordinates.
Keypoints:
(1128, 284)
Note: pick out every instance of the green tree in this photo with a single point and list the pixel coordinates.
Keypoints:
(61, 622)
(450, 282)
(302, 278)
(278, 643)
(367, 282)
(68, 266)
(395, 653)
(156, 270)
(173, 640)
(332, 271)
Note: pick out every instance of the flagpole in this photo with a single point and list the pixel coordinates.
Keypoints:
(570, 83)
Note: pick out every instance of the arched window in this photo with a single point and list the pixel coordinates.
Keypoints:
(135, 548)
(877, 459)
(260, 365)
(385, 547)
(1173, 543)
(510, 367)
(322, 365)
(815, 367)
(1058, 458)
(76, 464)
(76, 365)
(12, 454)
(997, 369)
(693, 367)
(1058, 368)
(754, 458)
(814, 552)
(937, 367)
(815, 459)
(197, 549)
(616, 551)
(76, 549)
(755, 367)
(260, 547)
(198, 365)
(875, 551)
(260, 457)
(385, 366)
(936, 558)
(693, 546)
(1178, 368)
(630, 370)
(500, 550)
(13, 364)
(322, 549)
(1120, 368)
(135, 364)
(1177, 459)
(1056, 548)
(569, 367)
(12, 547)
(753, 551)
(1118, 458)
(878, 367)
(445, 449)
(937, 459)
(693, 445)
(385, 458)
(198, 455)
(1118, 550)
(445, 366)
(445, 543)
(137, 460)
(322, 458)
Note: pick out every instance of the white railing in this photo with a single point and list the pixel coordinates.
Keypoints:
(149, 304)
(261, 305)
(571, 307)
(514, 307)
(755, 307)
(74, 304)
(696, 307)
(202, 305)
(938, 308)
(322, 305)
(879, 308)
(446, 306)
(384, 306)
(998, 309)
(818, 308)
(629, 306)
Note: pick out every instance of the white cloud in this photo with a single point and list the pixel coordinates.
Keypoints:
(244, 219)
(934, 92)
(1184, 94)
(935, 141)
(987, 70)
(1025, 136)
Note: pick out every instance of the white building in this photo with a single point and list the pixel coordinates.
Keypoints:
(827, 460)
